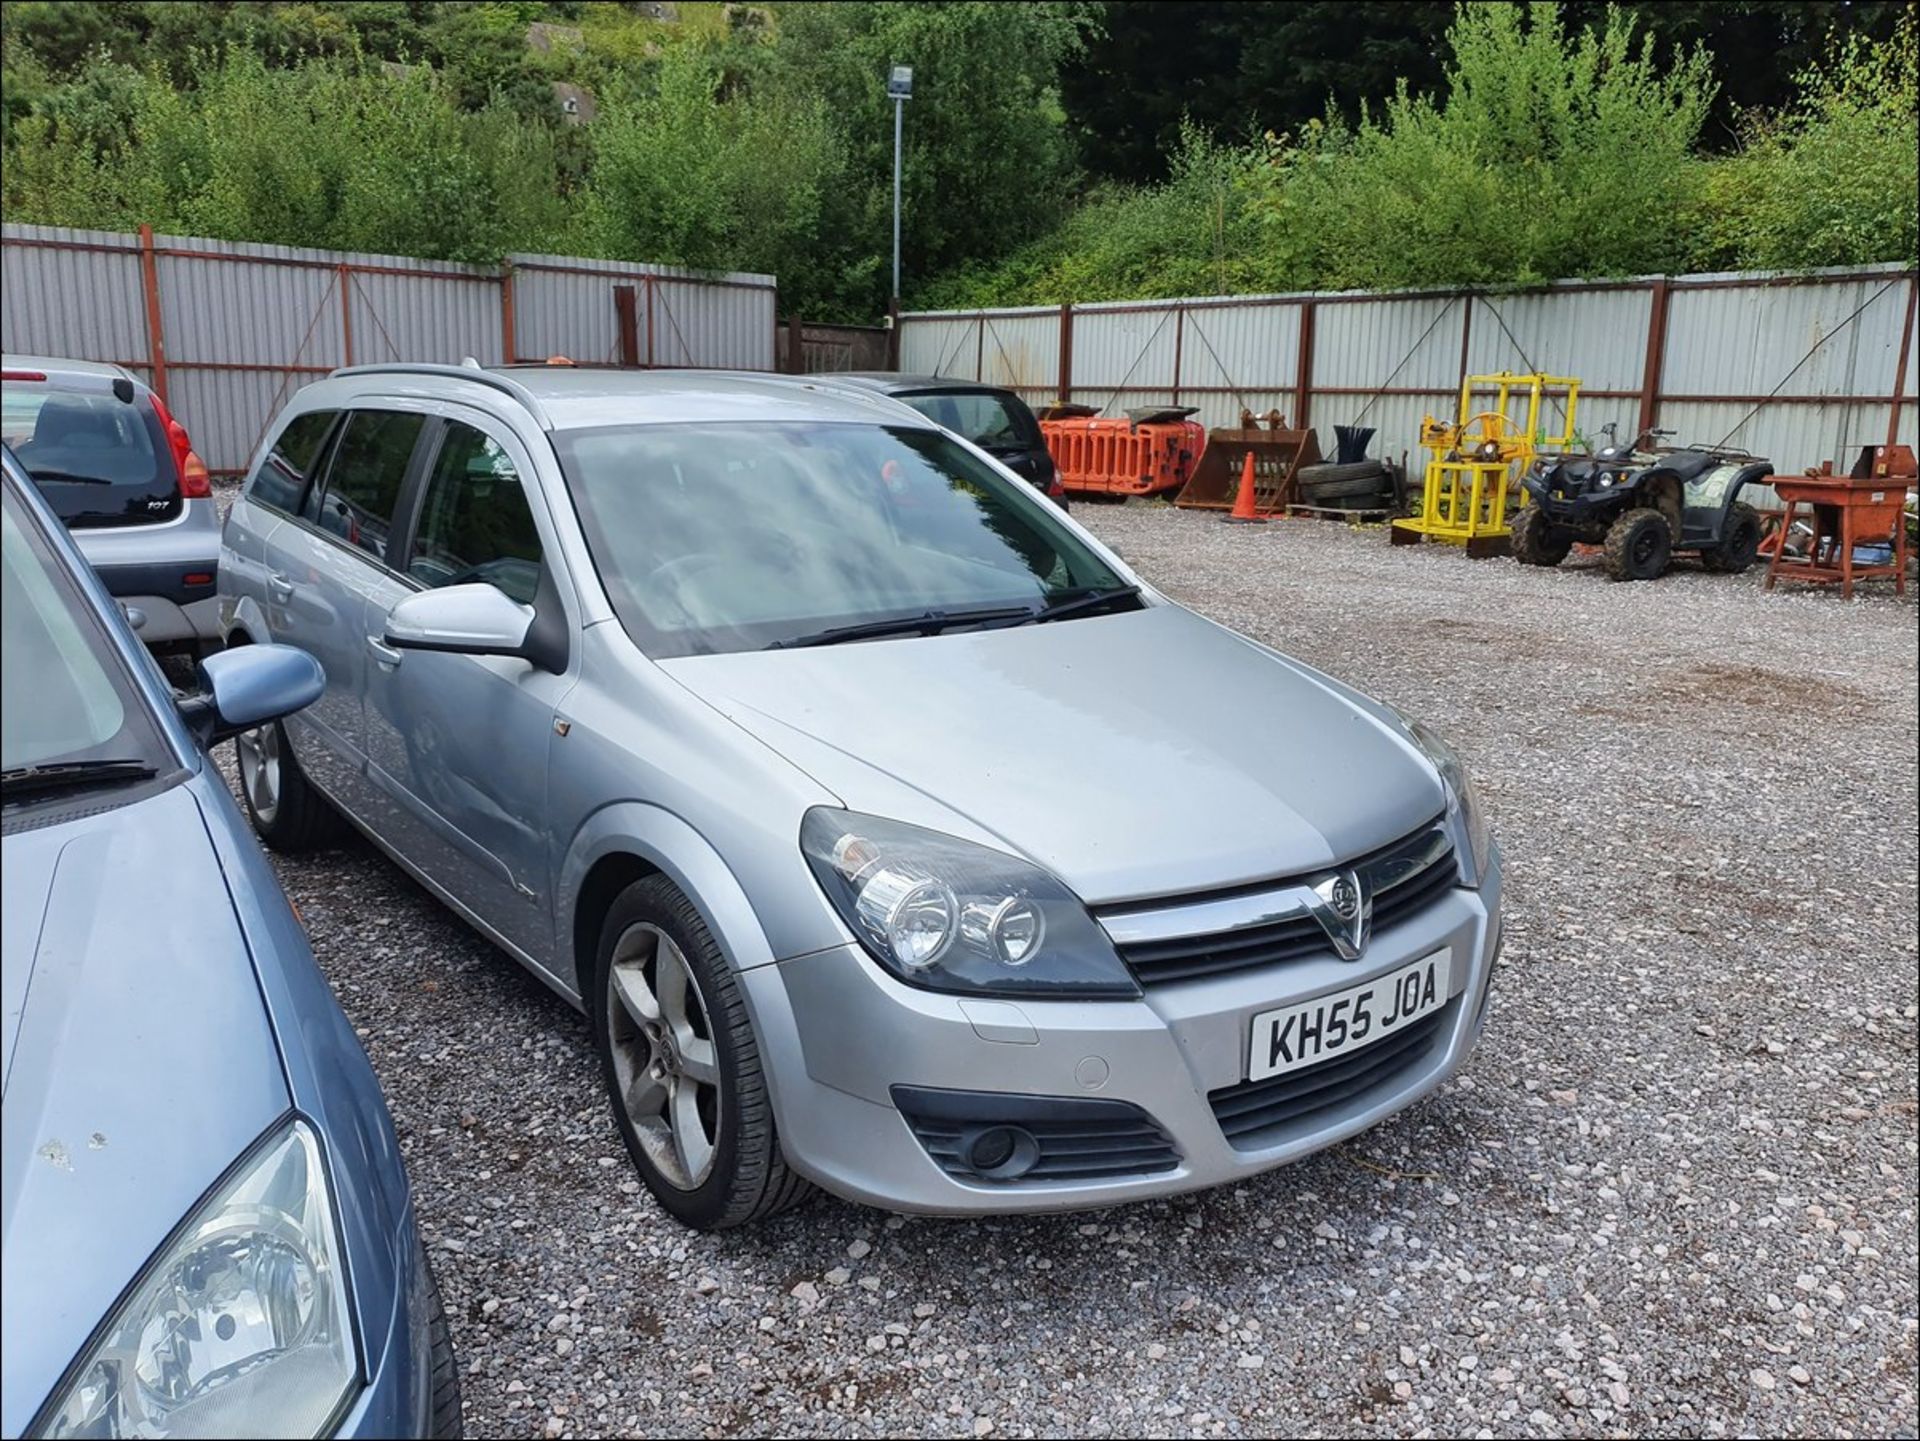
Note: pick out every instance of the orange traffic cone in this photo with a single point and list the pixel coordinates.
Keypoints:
(1243, 502)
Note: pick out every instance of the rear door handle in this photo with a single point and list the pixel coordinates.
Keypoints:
(279, 587)
(383, 654)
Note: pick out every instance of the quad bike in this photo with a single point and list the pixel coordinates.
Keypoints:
(1643, 502)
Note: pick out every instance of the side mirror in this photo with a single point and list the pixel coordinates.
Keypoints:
(475, 619)
(249, 686)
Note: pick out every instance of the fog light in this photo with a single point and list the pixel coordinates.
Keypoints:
(1001, 1153)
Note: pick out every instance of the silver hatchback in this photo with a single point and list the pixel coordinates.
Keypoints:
(891, 833)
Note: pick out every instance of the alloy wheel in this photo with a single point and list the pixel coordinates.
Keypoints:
(664, 1059)
(260, 769)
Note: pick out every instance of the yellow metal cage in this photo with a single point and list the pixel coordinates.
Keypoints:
(1479, 457)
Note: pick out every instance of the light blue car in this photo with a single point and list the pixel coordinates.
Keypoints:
(207, 1227)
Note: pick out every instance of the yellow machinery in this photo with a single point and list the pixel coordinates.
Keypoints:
(1478, 460)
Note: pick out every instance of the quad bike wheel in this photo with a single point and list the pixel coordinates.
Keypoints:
(1639, 546)
(1740, 546)
(1537, 540)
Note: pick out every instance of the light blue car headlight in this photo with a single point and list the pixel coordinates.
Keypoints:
(240, 1325)
(1472, 836)
(948, 915)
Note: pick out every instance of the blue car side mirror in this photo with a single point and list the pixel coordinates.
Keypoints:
(249, 686)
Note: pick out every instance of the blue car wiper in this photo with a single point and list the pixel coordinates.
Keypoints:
(930, 622)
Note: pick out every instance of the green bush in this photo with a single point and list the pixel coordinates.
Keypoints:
(327, 153)
(1195, 235)
(1833, 181)
(682, 177)
(1549, 155)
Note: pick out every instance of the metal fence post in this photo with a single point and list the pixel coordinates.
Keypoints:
(627, 319)
(1065, 391)
(796, 347)
(1303, 369)
(1656, 355)
(510, 346)
(1900, 365)
(156, 340)
(893, 334)
(1179, 339)
(346, 314)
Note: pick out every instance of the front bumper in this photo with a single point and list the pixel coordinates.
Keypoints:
(837, 1034)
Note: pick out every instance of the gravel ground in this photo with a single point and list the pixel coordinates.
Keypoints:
(1674, 1192)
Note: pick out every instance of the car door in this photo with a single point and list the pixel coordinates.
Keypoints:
(323, 569)
(460, 742)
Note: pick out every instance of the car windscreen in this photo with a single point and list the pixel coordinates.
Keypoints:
(990, 420)
(714, 538)
(66, 697)
(98, 459)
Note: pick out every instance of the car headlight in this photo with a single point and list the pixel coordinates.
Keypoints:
(949, 915)
(1472, 836)
(240, 1325)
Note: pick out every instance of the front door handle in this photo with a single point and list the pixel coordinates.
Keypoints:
(279, 587)
(384, 655)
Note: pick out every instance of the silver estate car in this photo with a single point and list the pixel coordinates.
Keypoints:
(892, 834)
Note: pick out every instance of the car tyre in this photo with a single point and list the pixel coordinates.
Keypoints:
(682, 1065)
(1740, 546)
(1537, 540)
(288, 814)
(1639, 545)
(444, 1420)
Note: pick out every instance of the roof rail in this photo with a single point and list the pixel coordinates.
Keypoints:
(473, 374)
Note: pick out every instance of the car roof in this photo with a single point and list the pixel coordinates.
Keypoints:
(890, 382)
(58, 368)
(566, 397)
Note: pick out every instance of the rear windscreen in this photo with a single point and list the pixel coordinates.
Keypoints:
(990, 421)
(97, 459)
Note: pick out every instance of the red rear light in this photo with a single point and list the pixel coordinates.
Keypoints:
(22, 375)
(194, 482)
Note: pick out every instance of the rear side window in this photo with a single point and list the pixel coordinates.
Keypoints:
(282, 477)
(363, 482)
(98, 459)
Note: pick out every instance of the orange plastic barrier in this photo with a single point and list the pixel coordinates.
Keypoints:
(1115, 456)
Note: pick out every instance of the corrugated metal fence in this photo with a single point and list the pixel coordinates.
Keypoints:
(226, 331)
(1695, 354)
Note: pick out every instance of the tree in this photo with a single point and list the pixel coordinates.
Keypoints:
(988, 163)
(1551, 154)
(1236, 69)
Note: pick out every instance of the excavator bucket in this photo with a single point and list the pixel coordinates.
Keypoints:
(1278, 453)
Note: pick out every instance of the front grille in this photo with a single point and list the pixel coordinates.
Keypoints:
(1402, 894)
(1077, 1140)
(1252, 1113)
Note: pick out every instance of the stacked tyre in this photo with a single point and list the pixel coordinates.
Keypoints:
(1363, 485)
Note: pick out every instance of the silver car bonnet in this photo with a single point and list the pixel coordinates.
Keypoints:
(1133, 755)
(139, 1065)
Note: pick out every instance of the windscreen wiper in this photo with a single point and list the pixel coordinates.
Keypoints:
(22, 780)
(1078, 604)
(930, 622)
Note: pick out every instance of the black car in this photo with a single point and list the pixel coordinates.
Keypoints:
(996, 420)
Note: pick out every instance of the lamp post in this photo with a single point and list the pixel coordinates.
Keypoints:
(900, 91)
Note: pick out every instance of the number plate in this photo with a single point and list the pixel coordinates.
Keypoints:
(1347, 1021)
